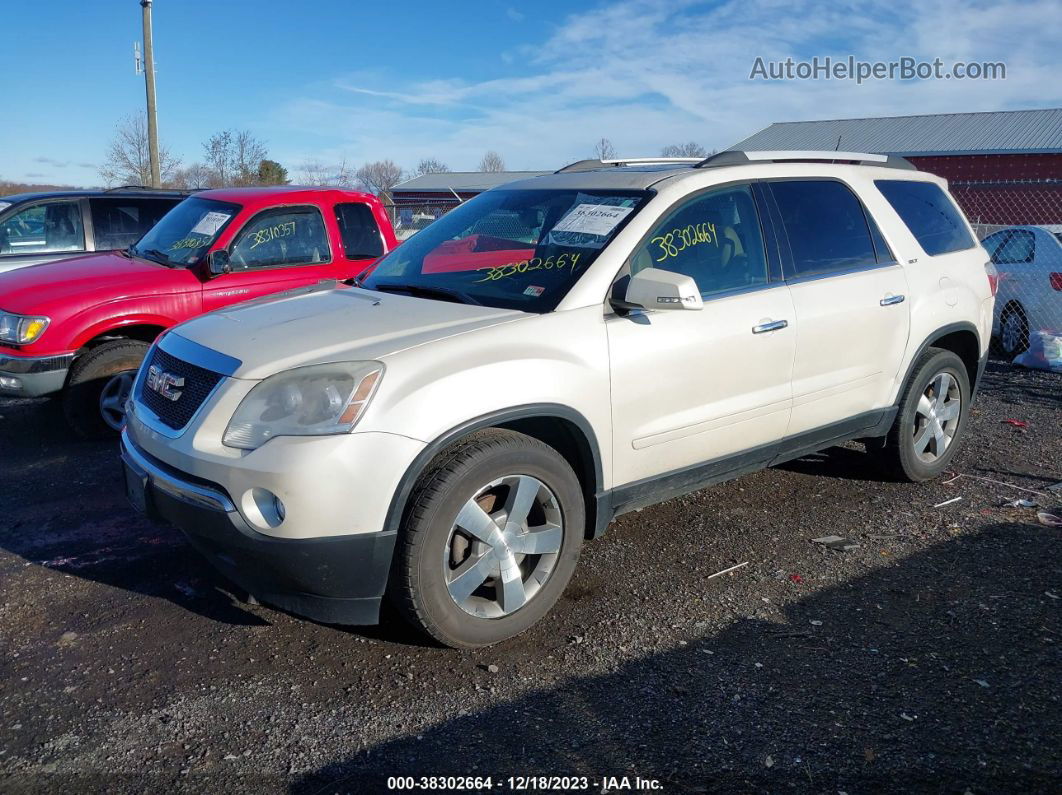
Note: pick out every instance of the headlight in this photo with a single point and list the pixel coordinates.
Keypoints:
(21, 329)
(308, 401)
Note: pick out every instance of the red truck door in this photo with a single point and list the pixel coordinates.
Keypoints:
(280, 248)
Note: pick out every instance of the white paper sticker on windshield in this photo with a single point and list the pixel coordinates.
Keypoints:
(593, 219)
(210, 223)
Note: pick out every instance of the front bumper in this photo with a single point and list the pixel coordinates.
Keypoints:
(334, 579)
(33, 376)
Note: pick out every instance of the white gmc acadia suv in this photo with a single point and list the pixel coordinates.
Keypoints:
(449, 428)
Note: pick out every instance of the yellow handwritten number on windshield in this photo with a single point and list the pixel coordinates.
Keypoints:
(524, 266)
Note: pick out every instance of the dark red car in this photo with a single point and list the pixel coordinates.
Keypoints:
(81, 326)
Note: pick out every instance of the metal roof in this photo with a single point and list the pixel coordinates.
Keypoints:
(470, 181)
(1001, 132)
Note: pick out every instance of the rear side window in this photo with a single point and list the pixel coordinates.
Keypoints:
(359, 231)
(932, 217)
(118, 223)
(826, 227)
(1017, 246)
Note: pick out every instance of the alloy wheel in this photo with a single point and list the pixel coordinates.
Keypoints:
(937, 417)
(113, 398)
(1013, 332)
(503, 546)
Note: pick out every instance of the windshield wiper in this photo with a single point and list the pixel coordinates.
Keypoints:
(156, 255)
(424, 291)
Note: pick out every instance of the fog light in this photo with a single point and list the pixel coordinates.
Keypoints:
(262, 508)
(10, 382)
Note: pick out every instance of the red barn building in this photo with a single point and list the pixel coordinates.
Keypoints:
(1004, 168)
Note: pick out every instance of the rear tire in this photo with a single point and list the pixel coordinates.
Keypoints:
(463, 573)
(931, 421)
(108, 367)
(1013, 330)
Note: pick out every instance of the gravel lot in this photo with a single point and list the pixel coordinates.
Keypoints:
(928, 659)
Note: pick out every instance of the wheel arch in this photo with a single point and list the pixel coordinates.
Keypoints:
(561, 427)
(963, 340)
(145, 329)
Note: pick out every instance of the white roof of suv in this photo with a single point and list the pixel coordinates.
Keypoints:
(640, 173)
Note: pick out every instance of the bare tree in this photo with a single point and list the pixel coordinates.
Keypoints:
(128, 161)
(233, 157)
(690, 149)
(218, 153)
(194, 177)
(604, 150)
(430, 165)
(249, 153)
(314, 172)
(380, 177)
(492, 161)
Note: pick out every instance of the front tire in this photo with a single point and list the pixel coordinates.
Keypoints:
(491, 537)
(932, 417)
(99, 383)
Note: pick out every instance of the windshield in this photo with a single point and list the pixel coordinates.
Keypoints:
(518, 249)
(185, 233)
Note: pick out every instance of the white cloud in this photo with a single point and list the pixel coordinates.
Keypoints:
(647, 73)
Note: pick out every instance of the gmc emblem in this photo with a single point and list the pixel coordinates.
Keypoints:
(164, 383)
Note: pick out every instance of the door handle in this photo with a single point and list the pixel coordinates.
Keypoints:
(889, 300)
(773, 325)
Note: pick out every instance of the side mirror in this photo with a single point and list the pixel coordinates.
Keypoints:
(218, 262)
(653, 288)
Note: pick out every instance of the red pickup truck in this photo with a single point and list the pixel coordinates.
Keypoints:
(80, 327)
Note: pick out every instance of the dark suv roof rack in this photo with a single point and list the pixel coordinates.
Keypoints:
(735, 157)
(146, 187)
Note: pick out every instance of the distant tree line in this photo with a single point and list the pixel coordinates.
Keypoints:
(237, 158)
(604, 150)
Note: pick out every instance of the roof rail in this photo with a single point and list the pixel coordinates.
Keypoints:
(144, 187)
(735, 157)
(589, 165)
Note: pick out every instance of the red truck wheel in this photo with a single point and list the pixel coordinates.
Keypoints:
(91, 376)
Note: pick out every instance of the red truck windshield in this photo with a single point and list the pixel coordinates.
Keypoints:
(518, 249)
(185, 233)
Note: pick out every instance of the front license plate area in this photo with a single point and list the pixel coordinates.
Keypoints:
(137, 491)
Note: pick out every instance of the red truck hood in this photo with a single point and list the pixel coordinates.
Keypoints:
(74, 283)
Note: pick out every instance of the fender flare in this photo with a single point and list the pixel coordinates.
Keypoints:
(943, 331)
(116, 323)
(413, 472)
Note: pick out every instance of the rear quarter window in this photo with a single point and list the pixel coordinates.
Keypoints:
(929, 213)
(360, 233)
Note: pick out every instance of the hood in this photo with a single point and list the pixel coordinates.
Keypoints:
(344, 324)
(89, 279)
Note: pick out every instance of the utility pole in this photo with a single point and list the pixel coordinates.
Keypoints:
(149, 82)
